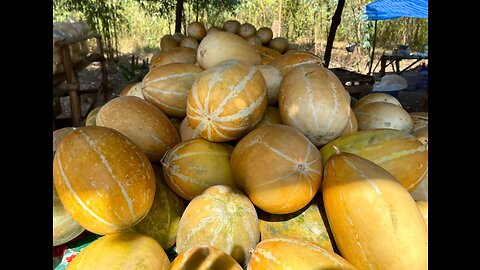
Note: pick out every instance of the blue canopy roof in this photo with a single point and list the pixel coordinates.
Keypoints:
(392, 9)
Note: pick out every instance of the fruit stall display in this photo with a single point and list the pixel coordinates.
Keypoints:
(237, 152)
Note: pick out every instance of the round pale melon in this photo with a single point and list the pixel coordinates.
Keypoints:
(168, 42)
(278, 168)
(104, 180)
(196, 30)
(132, 89)
(279, 44)
(246, 30)
(161, 222)
(123, 251)
(352, 125)
(295, 253)
(398, 152)
(374, 220)
(186, 131)
(192, 166)
(204, 257)
(178, 36)
(167, 87)
(267, 55)
(254, 40)
(174, 55)
(313, 100)
(377, 97)
(420, 192)
(221, 46)
(92, 117)
(226, 101)
(309, 223)
(213, 29)
(221, 217)
(231, 26)
(377, 115)
(142, 122)
(286, 62)
(273, 78)
(189, 42)
(65, 228)
(271, 116)
(423, 207)
(265, 34)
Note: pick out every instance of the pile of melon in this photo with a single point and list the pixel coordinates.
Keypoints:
(238, 153)
(78, 51)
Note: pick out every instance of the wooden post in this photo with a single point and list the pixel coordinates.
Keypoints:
(178, 16)
(75, 105)
(336, 19)
(103, 69)
(373, 49)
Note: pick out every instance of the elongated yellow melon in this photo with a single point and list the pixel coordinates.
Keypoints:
(122, 251)
(398, 152)
(352, 124)
(226, 101)
(174, 55)
(293, 59)
(377, 97)
(378, 115)
(374, 220)
(194, 165)
(103, 179)
(294, 253)
(204, 257)
(423, 206)
(267, 55)
(221, 217)
(279, 169)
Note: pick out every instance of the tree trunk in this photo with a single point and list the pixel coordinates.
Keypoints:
(178, 16)
(336, 19)
(279, 18)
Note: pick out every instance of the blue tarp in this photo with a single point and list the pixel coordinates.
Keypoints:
(392, 9)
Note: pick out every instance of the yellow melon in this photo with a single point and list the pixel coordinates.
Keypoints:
(174, 55)
(377, 97)
(186, 131)
(204, 257)
(267, 55)
(279, 44)
(196, 30)
(374, 220)
(279, 169)
(286, 62)
(103, 179)
(189, 42)
(221, 217)
(231, 26)
(167, 87)
(254, 40)
(271, 116)
(213, 29)
(423, 207)
(273, 78)
(194, 165)
(226, 101)
(123, 251)
(378, 115)
(246, 30)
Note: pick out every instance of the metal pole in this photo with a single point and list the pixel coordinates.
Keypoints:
(373, 49)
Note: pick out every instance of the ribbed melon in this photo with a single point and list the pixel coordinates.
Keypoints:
(221, 217)
(377, 97)
(374, 220)
(174, 55)
(204, 258)
(194, 165)
(398, 152)
(294, 253)
(267, 55)
(379, 115)
(122, 251)
(286, 62)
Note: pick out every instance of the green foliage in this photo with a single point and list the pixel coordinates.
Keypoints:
(133, 71)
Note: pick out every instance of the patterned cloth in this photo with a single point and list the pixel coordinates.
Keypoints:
(64, 254)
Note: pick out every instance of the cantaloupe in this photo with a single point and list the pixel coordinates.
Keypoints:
(398, 152)
(313, 100)
(374, 220)
(221, 217)
(161, 222)
(286, 62)
(265, 34)
(377, 115)
(103, 179)
(226, 101)
(231, 26)
(194, 165)
(246, 30)
(295, 253)
(221, 46)
(196, 30)
(204, 257)
(278, 168)
(167, 87)
(279, 44)
(122, 251)
(142, 122)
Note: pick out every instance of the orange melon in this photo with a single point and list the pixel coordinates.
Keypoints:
(374, 220)
(295, 253)
(204, 258)
(174, 55)
(221, 217)
(313, 100)
(123, 251)
(286, 62)
(221, 46)
(142, 122)
(103, 179)
(271, 116)
(196, 30)
(194, 165)
(279, 169)
(267, 55)
(226, 101)
(161, 222)
(167, 87)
